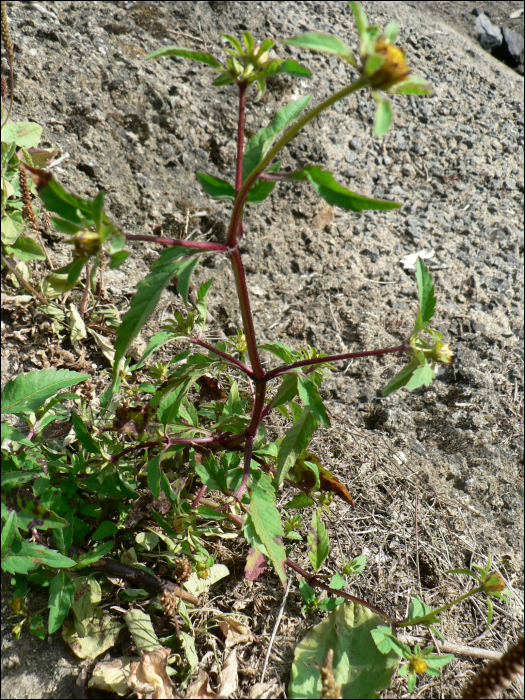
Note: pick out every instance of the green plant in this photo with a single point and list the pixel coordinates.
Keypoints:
(84, 467)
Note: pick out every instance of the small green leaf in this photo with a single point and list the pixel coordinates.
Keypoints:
(311, 399)
(413, 85)
(91, 557)
(402, 377)
(383, 117)
(144, 302)
(26, 249)
(263, 188)
(215, 187)
(322, 43)
(27, 556)
(318, 547)
(8, 533)
(104, 530)
(435, 661)
(423, 375)
(36, 627)
(391, 31)
(425, 285)
(234, 42)
(335, 194)
(280, 350)
(27, 392)
(10, 433)
(118, 259)
(154, 476)
(291, 67)
(83, 434)
(61, 595)
(360, 17)
(184, 274)
(200, 56)
(300, 500)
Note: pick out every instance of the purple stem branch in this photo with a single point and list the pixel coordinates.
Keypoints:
(240, 365)
(197, 245)
(332, 358)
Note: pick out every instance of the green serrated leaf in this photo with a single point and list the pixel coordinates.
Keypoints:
(267, 522)
(311, 399)
(215, 187)
(295, 441)
(144, 302)
(360, 670)
(28, 392)
(318, 546)
(335, 194)
(259, 145)
(61, 595)
(322, 43)
(27, 556)
(199, 56)
(422, 376)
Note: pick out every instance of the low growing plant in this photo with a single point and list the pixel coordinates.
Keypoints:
(131, 473)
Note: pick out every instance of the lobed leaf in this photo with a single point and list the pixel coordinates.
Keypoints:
(28, 392)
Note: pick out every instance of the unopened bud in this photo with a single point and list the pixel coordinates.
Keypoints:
(494, 583)
(87, 243)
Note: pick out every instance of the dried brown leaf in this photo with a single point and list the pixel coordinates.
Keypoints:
(149, 678)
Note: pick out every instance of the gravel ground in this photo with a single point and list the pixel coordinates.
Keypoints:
(327, 278)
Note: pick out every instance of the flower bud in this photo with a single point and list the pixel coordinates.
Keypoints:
(87, 243)
(393, 70)
(494, 583)
(418, 665)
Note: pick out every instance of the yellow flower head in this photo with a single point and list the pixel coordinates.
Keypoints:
(87, 243)
(418, 665)
(393, 70)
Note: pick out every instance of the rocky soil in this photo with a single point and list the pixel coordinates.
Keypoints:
(318, 276)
